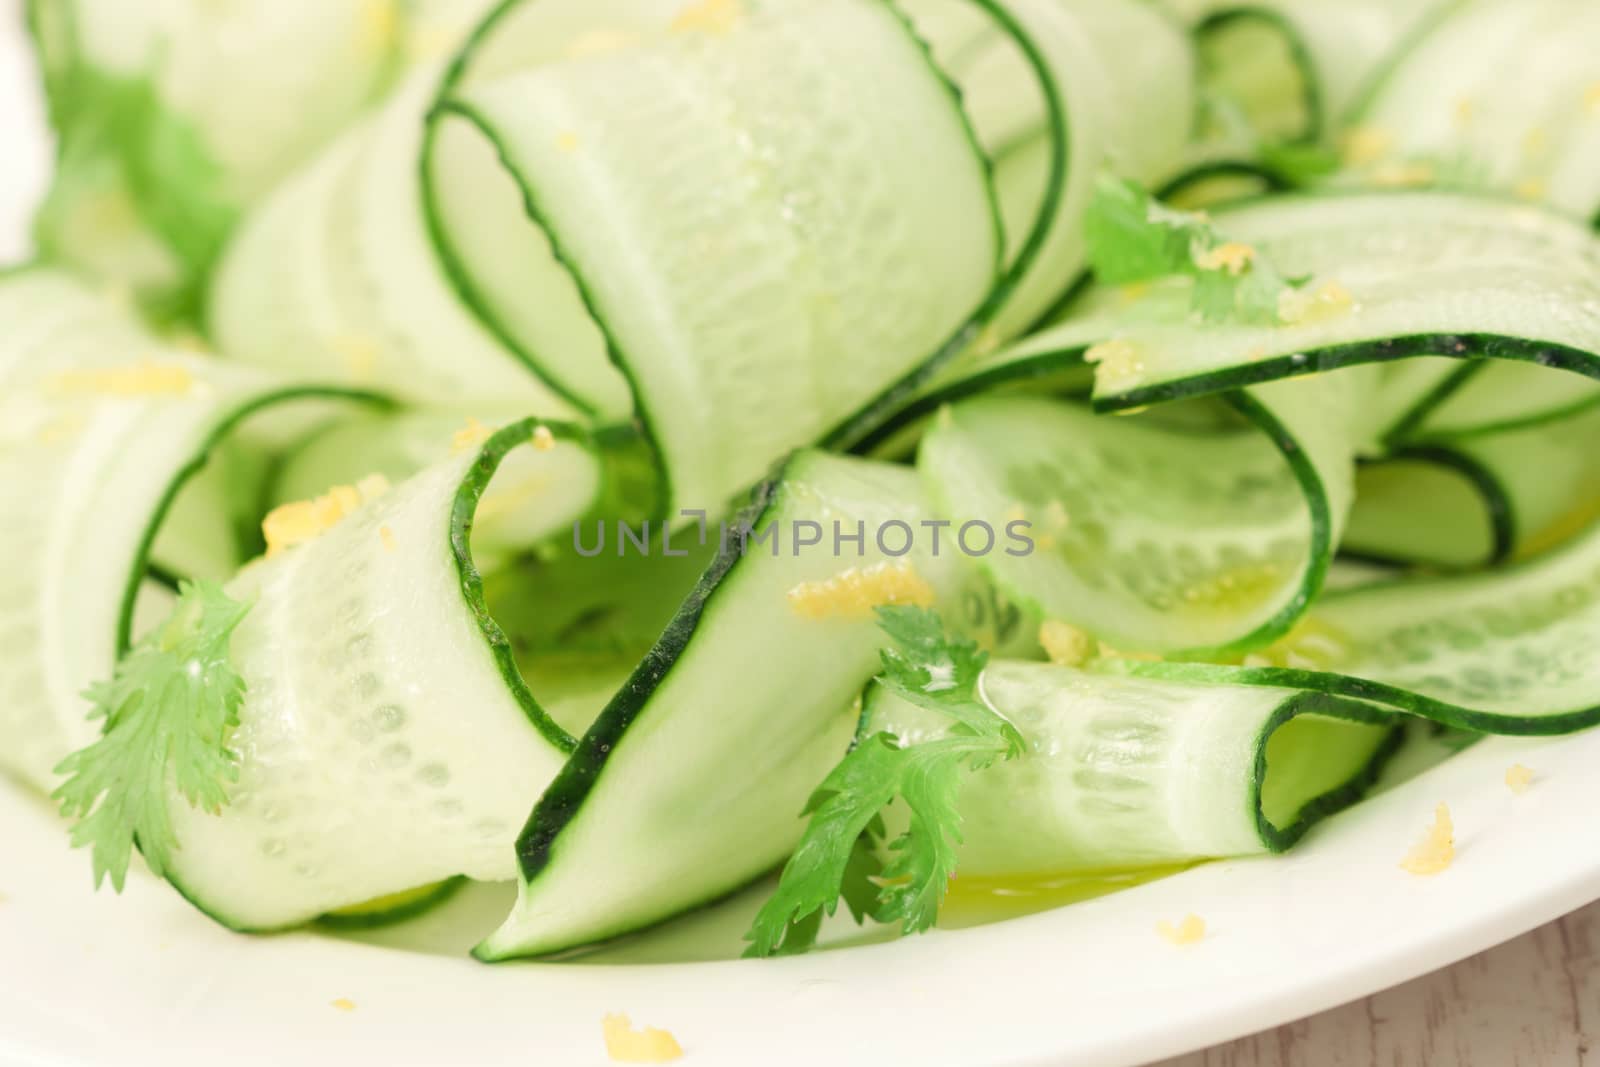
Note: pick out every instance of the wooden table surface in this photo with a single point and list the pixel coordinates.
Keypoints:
(1533, 1002)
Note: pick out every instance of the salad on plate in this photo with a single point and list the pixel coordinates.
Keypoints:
(911, 452)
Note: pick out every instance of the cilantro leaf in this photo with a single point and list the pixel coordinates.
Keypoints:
(838, 852)
(1126, 244)
(169, 711)
(1133, 237)
(122, 146)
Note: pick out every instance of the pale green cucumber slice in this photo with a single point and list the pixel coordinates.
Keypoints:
(1433, 507)
(93, 452)
(1481, 499)
(1052, 105)
(1123, 772)
(335, 278)
(1511, 651)
(674, 755)
(1429, 274)
(175, 117)
(512, 516)
(836, 252)
(387, 741)
(1298, 68)
(1156, 538)
(1500, 97)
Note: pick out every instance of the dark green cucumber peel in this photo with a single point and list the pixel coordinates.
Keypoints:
(446, 105)
(1496, 502)
(411, 909)
(1408, 423)
(226, 425)
(450, 261)
(462, 512)
(1403, 700)
(564, 798)
(1352, 791)
(459, 532)
(1316, 119)
(852, 431)
(1467, 346)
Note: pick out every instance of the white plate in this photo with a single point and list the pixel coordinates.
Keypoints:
(95, 979)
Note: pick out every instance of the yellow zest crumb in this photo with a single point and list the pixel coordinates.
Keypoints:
(708, 16)
(343, 1004)
(1436, 849)
(855, 593)
(1330, 300)
(1066, 645)
(1362, 145)
(567, 141)
(1591, 98)
(1466, 109)
(380, 24)
(1404, 175)
(1190, 931)
(624, 1044)
(386, 535)
(305, 520)
(469, 437)
(600, 43)
(145, 378)
(1105, 651)
(360, 355)
(1531, 189)
(1519, 779)
(1233, 257)
(543, 439)
(1119, 364)
(1312, 645)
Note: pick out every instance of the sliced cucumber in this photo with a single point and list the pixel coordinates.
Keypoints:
(1500, 97)
(100, 427)
(1157, 539)
(1296, 70)
(382, 749)
(1124, 772)
(672, 756)
(844, 276)
(1427, 276)
(174, 117)
(1510, 651)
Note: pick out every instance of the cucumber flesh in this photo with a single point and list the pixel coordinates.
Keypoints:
(1123, 773)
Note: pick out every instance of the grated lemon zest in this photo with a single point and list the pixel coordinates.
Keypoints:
(624, 1044)
(1233, 257)
(305, 520)
(1362, 145)
(469, 437)
(1119, 364)
(1437, 848)
(543, 439)
(1519, 779)
(855, 593)
(1065, 644)
(1330, 300)
(709, 16)
(1191, 930)
(145, 378)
